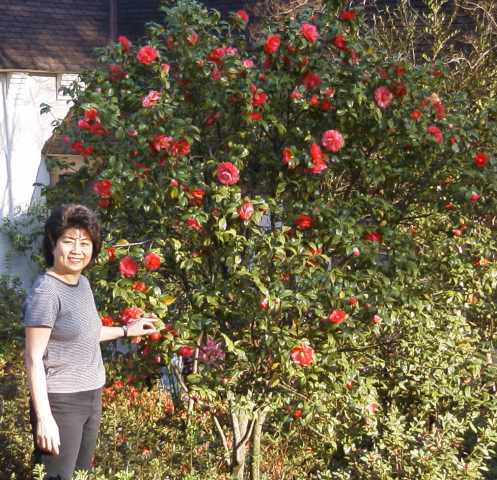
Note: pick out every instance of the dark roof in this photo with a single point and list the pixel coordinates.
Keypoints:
(133, 14)
(54, 36)
(60, 35)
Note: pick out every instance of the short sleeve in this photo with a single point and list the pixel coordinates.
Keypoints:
(40, 308)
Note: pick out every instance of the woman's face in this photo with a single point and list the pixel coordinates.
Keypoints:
(72, 252)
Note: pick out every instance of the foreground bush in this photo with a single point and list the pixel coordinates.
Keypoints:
(313, 221)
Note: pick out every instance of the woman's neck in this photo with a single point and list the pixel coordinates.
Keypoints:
(70, 278)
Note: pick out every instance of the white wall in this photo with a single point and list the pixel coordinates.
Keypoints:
(23, 132)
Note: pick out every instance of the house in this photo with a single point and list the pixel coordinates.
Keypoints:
(43, 46)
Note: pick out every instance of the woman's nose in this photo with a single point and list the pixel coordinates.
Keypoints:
(76, 247)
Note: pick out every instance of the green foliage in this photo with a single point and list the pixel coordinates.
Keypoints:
(391, 225)
(24, 231)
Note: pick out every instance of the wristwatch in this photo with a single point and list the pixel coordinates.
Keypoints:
(125, 330)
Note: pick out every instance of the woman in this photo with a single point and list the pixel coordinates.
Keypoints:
(62, 352)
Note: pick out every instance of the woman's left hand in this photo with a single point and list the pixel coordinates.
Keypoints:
(142, 326)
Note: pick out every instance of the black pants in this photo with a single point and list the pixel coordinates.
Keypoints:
(78, 417)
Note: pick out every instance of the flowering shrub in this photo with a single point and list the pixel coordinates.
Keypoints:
(255, 190)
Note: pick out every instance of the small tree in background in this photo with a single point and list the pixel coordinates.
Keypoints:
(313, 222)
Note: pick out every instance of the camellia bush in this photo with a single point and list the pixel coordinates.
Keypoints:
(314, 225)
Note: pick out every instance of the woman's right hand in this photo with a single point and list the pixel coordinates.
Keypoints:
(47, 435)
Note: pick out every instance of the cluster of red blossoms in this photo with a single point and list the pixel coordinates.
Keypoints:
(80, 149)
(91, 122)
(103, 189)
(128, 267)
(175, 147)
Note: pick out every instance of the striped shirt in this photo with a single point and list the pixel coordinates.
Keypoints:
(72, 359)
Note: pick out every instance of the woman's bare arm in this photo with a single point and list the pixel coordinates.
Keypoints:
(47, 434)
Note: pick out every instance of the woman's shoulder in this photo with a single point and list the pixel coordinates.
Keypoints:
(43, 283)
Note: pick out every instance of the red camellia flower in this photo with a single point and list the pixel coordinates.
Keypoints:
(193, 224)
(259, 98)
(127, 267)
(339, 41)
(383, 97)
(309, 31)
(139, 287)
(116, 73)
(264, 304)
(147, 55)
(192, 38)
(435, 132)
(373, 237)
(160, 142)
(216, 54)
(457, 232)
(318, 161)
(124, 42)
(311, 80)
(325, 105)
(303, 222)
(242, 15)
(107, 320)
(337, 316)
(348, 15)
(295, 95)
(227, 173)
(475, 196)
(332, 140)
(399, 89)
(254, 116)
(314, 101)
(180, 147)
(151, 99)
(352, 301)
(103, 188)
(91, 114)
(111, 253)
(286, 155)
(186, 351)
(130, 313)
(356, 252)
(103, 203)
(439, 110)
(246, 210)
(78, 148)
(197, 196)
(297, 413)
(151, 261)
(272, 44)
(376, 319)
(480, 159)
(302, 355)
(416, 114)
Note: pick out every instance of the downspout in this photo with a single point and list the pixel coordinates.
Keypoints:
(7, 134)
(112, 20)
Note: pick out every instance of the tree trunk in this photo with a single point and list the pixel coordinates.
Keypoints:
(245, 425)
(256, 445)
(242, 431)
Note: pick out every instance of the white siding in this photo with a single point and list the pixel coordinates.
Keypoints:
(23, 132)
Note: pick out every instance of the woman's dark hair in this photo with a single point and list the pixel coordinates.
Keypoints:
(70, 216)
